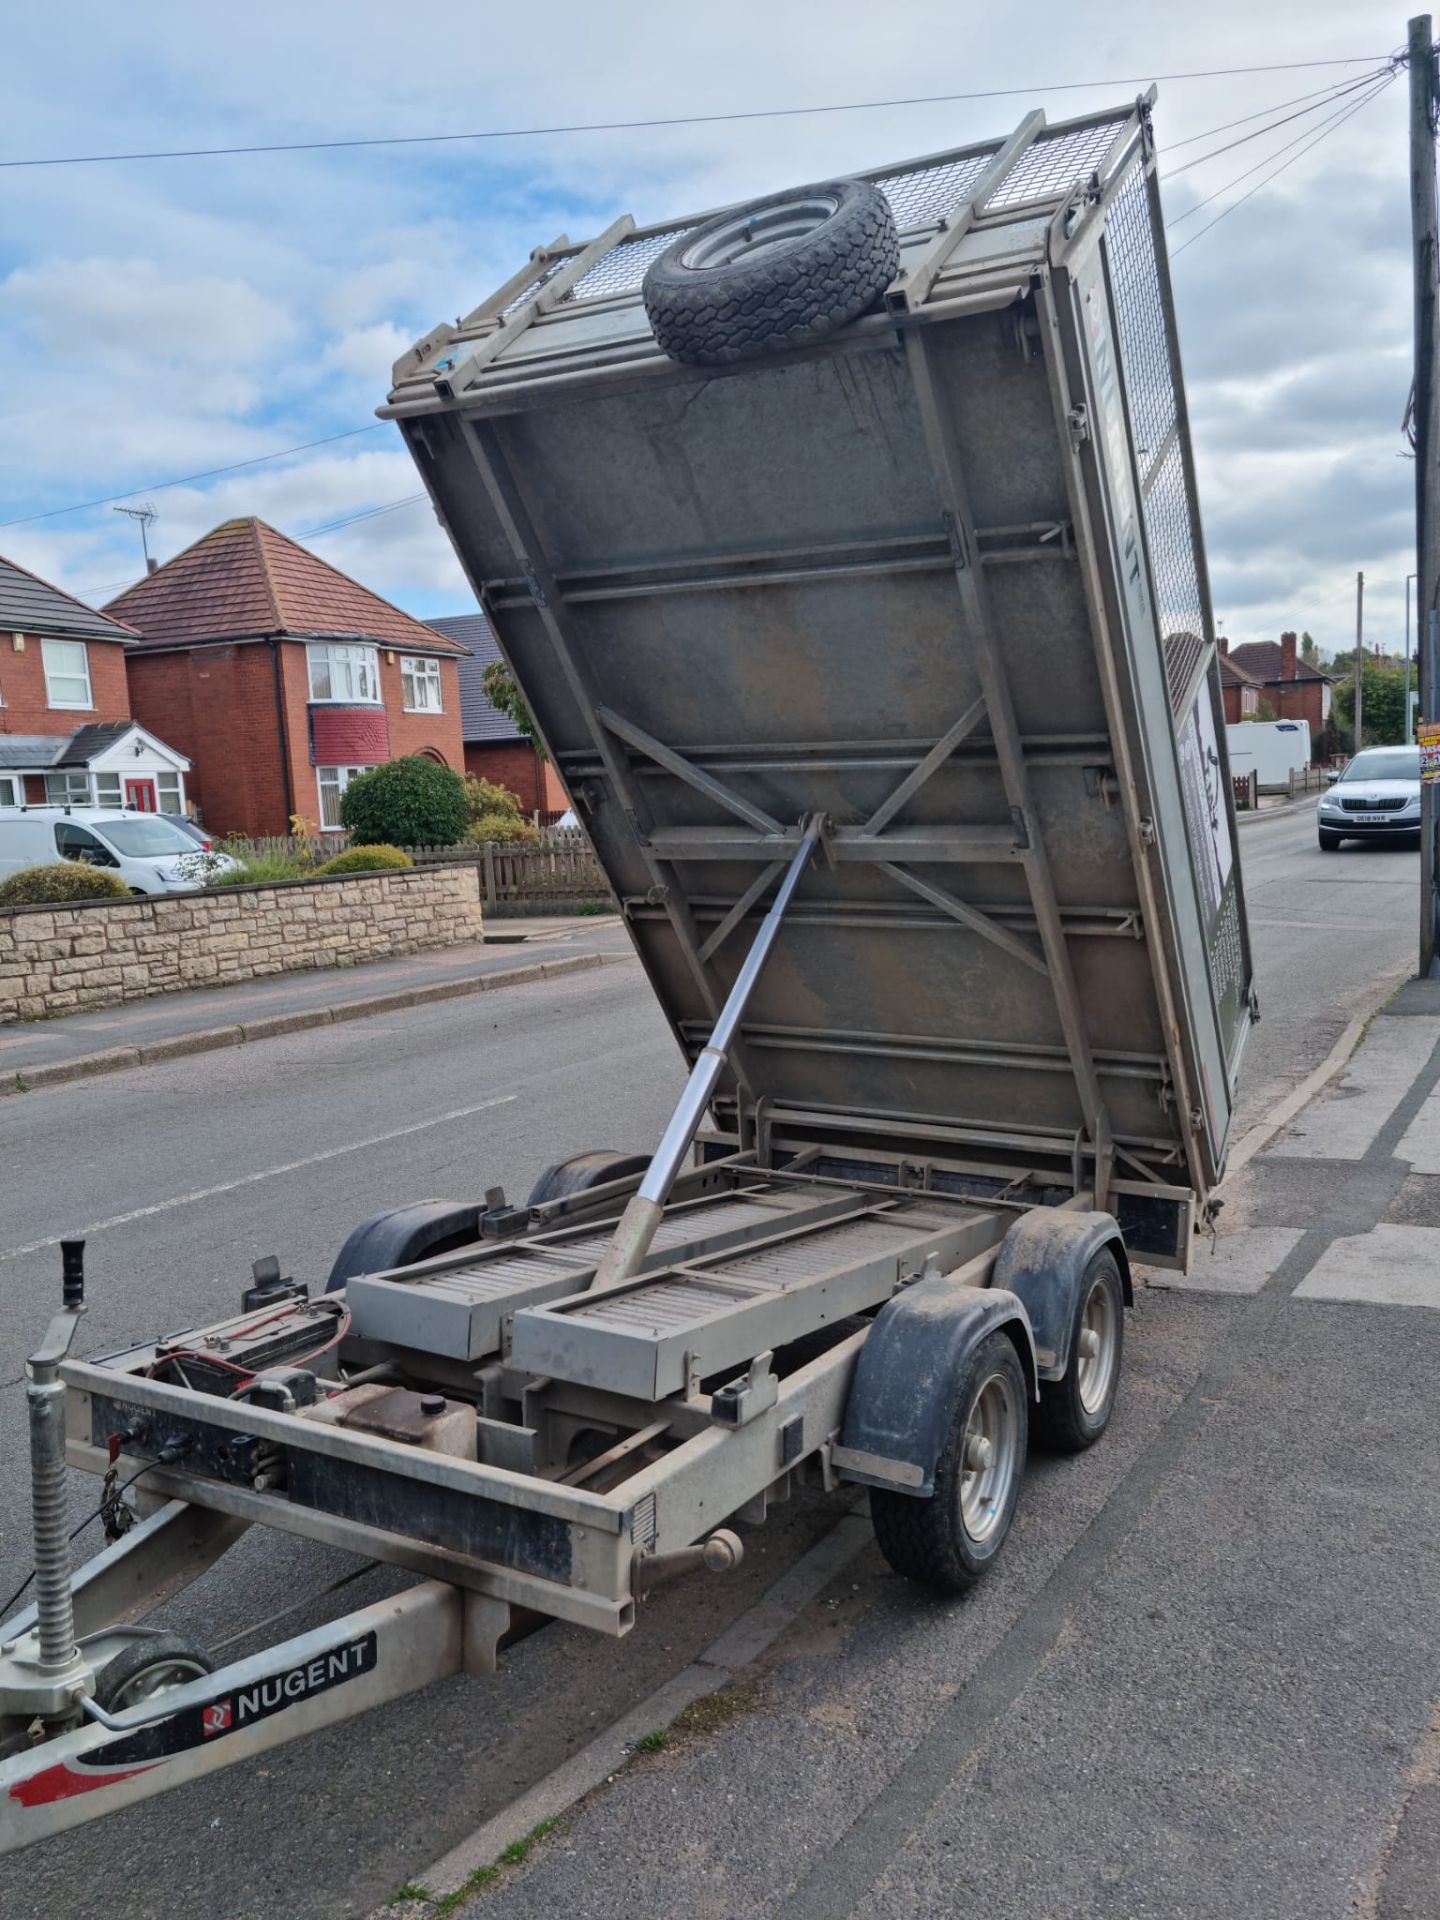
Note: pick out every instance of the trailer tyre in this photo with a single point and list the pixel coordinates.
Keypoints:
(149, 1666)
(1075, 1411)
(950, 1540)
(785, 271)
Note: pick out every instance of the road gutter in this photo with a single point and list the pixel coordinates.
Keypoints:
(739, 1646)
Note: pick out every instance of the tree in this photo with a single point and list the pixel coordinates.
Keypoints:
(1309, 650)
(503, 693)
(412, 802)
(1384, 704)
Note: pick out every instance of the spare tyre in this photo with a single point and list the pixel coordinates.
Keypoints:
(782, 272)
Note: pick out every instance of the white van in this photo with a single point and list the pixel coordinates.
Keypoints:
(148, 852)
(1271, 749)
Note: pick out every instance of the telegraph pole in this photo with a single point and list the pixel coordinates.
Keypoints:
(1427, 452)
(1359, 655)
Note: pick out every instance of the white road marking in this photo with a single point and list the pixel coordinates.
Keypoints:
(1389, 1266)
(1239, 1262)
(1344, 1124)
(251, 1179)
(1421, 1142)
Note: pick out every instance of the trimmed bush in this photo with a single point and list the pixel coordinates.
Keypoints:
(366, 860)
(507, 829)
(64, 880)
(412, 802)
(495, 815)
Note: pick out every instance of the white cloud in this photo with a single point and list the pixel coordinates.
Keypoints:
(158, 319)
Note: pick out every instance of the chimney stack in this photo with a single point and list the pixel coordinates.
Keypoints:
(152, 565)
(1287, 656)
(1224, 644)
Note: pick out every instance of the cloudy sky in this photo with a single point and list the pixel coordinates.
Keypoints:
(160, 319)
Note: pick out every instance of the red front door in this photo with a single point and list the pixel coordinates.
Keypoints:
(140, 794)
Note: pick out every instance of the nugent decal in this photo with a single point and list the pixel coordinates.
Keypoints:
(110, 1761)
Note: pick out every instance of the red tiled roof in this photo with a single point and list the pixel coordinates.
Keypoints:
(1261, 660)
(244, 578)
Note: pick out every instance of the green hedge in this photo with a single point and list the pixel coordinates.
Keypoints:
(366, 860)
(63, 880)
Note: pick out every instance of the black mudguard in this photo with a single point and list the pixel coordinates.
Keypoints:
(1042, 1260)
(902, 1398)
(404, 1235)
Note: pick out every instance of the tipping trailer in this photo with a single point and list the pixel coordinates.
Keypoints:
(845, 548)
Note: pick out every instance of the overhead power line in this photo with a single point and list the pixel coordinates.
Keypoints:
(1343, 114)
(304, 533)
(1331, 90)
(675, 120)
(1258, 133)
(1313, 142)
(1321, 96)
(187, 479)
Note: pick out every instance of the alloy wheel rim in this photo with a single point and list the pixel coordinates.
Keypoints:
(989, 1458)
(1099, 1326)
(747, 235)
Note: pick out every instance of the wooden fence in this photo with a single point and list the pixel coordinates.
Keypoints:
(561, 875)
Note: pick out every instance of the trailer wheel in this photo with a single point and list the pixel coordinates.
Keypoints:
(582, 1171)
(950, 1540)
(402, 1235)
(784, 271)
(1075, 1411)
(148, 1666)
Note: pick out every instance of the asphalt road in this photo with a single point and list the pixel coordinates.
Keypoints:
(181, 1175)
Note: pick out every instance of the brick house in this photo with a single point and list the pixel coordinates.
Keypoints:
(282, 678)
(495, 748)
(67, 737)
(1240, 691)
(1278, 677)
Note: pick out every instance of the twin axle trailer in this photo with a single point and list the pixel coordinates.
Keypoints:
(845, 548)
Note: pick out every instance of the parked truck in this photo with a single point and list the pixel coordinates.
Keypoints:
(845, 548)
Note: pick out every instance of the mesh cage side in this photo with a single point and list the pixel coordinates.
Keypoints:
(541, 279)
(1154, 417)
(920, 195)
(623, 268)
(1052, 164)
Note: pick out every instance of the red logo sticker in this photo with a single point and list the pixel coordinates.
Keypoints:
(217, 1718)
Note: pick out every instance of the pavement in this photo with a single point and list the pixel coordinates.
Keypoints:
(139, 1032)
(1202, 1680)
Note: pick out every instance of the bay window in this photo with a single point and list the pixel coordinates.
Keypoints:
(344, 673)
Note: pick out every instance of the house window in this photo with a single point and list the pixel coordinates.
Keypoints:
(344, 673)
(67, 673)
(1249, 700)
(172, 800)
(107, 790)
(420, 685)
(9, 789)
(67, 790)
(333, 782)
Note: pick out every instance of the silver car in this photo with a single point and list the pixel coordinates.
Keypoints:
(1377, 797)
